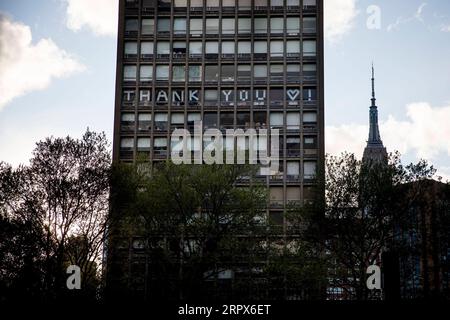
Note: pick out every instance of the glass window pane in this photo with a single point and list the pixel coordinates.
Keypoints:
(276, 3)
(196, 26)
(309, 48)
(276, 48)
(227, 73)
(148, 26)
(228, 3)
(293, 46)
(260, 3)
(146, 47)
(163, 47)
(309, 117)
(293, 3)
(163, 25)
(211, 73)
(146, 73)
(293, 120)
(244, 25)
(245, 4)
(261, 25)
(276, 25)
(244, 47)
(195, 48)
(129, 73)
(180, 3)
(196, 3)
(212, 47)
(309, 24)
(179, 73)
(211, 95)
(293, 25)
(260, 71)
(195, 73)
(228, 47)
(212, 26)
(260, 47)
(127, 143)
(179, 26)
(177, 118)
(162, 72)
(228, 26)
(309, 3)
(130, 47)
(131, 25)
(276, 119)
(212, 3)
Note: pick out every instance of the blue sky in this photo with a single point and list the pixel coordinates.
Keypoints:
(411, 51)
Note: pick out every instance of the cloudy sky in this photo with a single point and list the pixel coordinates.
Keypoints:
(57, 69)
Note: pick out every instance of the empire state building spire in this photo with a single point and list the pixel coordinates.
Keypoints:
(375, 150)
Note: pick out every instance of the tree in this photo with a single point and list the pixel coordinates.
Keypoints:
(358, 219)
(62, 195)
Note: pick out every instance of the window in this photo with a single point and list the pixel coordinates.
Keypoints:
(212, 47)
(244, 72)
(276, 49)
(309, 71)
(228, 26)
(179, 26)
(293, 48)
(293, 193)
(293, 3)
(209, 120)
(228, 47)
(162, 73)
(309, 25)
(229, 3)
(211, 96)
(131, 25)
(293, 121)
(276, 3)
(293, 72)
(146, 49)
(260, 120)
(244, 47)
(260, 3)
(129, 73)
(308, 3)
(163, 48)
(130, 48)
(293, 146)
(196, 3)
(179, 48)
(177, 120)
(245, 5)
(276, 95)
(161, 120)
(309, 117)
(276, 72)
(195, 49)
(226, 120)
(127, 121)
(160, 147)
(143, 144)
(192, 118)
(293, 25)
(211, 73)
(148, 26)
(293, 169)
(180, 3)
(195, 73)
(276, 120)
(276, 25)
(309, 142)
(162, 4)
(276, 197)
(126, 143)
(179, 73)
(260, 71)
(163, 25)
(309, 94)
(261, 25)
(146, 73)
(212, 4)
(212, 26)
(244, 25)
(260, 48)
(309, 169)
(196, 27)
(227, 73)
(309, 48)
(243, 120)
(144, 121)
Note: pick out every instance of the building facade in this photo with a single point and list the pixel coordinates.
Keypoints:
(247, 64)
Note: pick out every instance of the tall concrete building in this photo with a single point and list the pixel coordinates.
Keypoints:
(232, 64)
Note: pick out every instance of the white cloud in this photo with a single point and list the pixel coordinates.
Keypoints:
(339, 16)
(100, 16)
(418, 15)
(425, 134)
(445, 28)
(26, 66)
